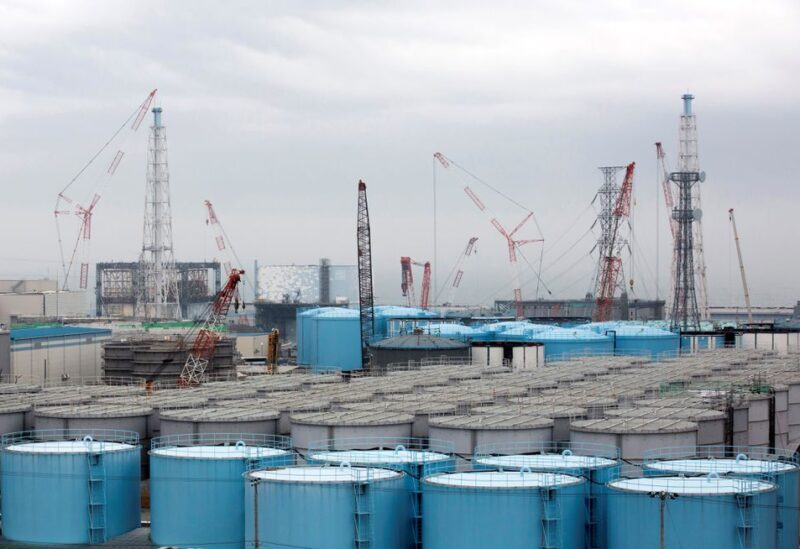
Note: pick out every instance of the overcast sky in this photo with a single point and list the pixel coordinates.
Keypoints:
(274, 110)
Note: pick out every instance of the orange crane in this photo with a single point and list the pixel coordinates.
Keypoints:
(206, 338)
(407, 282)
(612, 264)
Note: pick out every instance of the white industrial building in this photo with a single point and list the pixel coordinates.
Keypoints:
(56, 354)
(32, 299)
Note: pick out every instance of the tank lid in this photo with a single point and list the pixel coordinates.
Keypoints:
(375, 417)
(376, 457)
(68, 447)
(491, 421)
(325, 474)
(220, 414)
(15, 388)
(543, 410)
(503, 479)
(697, 486)
(14, 407)
(81, 411)
(547, 461)
(722, 466)
(633, 425)
(219, 452)
(692, 414)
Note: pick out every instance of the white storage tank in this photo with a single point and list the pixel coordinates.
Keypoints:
(467, 432)
(347, 425)
(261, 421)
(635, 436)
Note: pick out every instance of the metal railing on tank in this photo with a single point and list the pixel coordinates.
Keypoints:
(547, 447)
(221, 441)
(95, 436)
(739, 459)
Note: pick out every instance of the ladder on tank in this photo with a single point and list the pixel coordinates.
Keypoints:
(591, 505)
(416, 507)
(551, 519)
(362, 514)
(744, 527)
(97, 497)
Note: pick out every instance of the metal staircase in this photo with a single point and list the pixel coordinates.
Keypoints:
(97, 497)
(362, 515)
(744, 527)
(551, 519)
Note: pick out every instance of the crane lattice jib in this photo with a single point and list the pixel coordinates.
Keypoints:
(365, 295)
(426, 286)
(207, 336)
(611, 264)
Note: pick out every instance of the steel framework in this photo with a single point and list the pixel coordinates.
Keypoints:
(158, 296)
(685, 311)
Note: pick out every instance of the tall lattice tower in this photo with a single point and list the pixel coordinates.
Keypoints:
(685, 313)
(607, 196)
(157, 295)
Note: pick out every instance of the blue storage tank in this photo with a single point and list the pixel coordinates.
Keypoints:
(782, 470)
(336, 340)
(597, 463)
(327, 508)
(454, 331)
(307, 335)
(511, 509)
(64, 487)
(710, 512)
(385, 313)
(568, 343)
(415, 457)
(197, 486)
(638, 339)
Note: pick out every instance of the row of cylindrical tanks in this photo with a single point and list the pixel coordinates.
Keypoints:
(328, 338)
(722, 398)
(81, 487)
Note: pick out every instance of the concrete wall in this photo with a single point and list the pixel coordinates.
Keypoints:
(51, 359)
(19, 286)
(251, 345)
(61, 304)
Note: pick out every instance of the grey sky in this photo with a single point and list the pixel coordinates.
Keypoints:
(274, 110)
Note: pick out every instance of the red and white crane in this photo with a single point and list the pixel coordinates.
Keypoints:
(512, 244)
(407, 282)
(611, 264)
(67, 206)
(220, 238)
(207, 336)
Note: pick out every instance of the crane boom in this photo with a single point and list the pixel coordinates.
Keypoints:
(365, 295)
(407, 282)
(611, 264)
(741, 267)
(207, 336)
